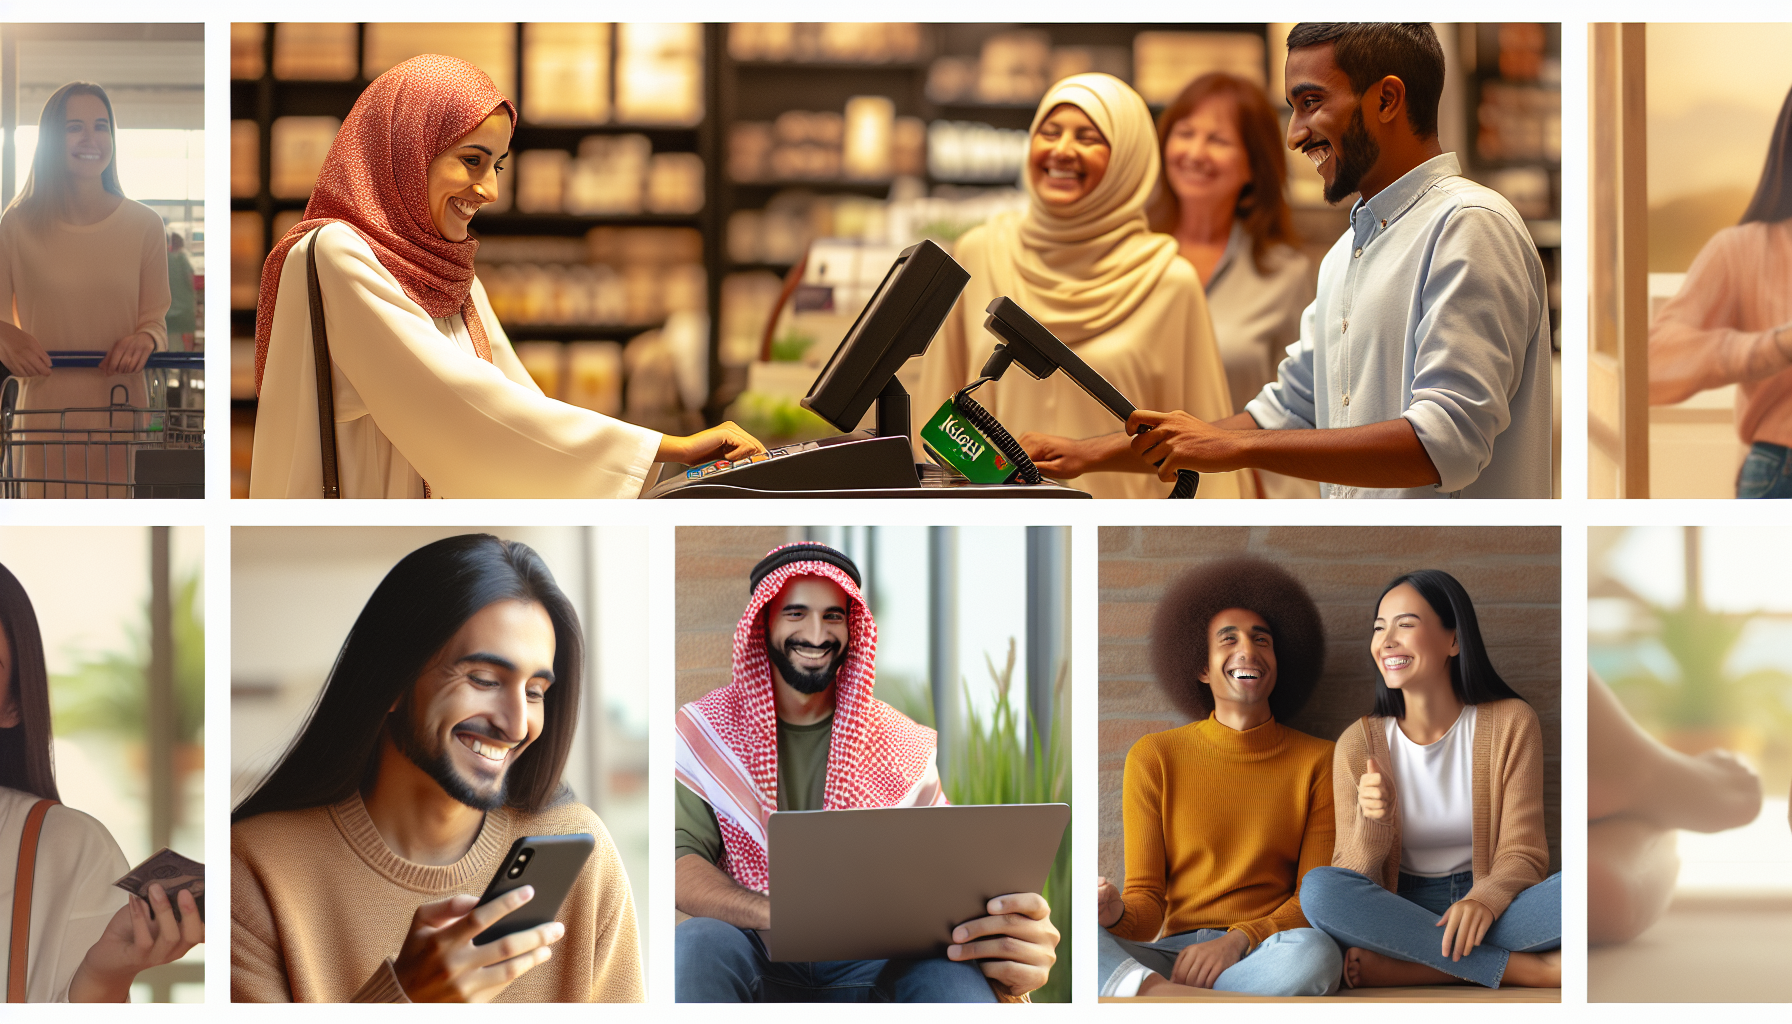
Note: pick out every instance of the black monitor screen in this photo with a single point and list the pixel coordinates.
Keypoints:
(895, 326)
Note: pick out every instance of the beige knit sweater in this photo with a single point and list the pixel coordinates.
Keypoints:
(1511, 851)
(319, 907)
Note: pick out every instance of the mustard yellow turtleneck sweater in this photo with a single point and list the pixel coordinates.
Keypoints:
(1221, 826)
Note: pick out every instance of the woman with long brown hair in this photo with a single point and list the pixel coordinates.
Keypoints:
(87, 940)
(1731, 323)
(82, 268)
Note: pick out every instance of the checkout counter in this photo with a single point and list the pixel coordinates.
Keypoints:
(897, 324)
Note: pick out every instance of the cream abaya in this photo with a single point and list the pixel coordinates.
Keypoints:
(1094, 274)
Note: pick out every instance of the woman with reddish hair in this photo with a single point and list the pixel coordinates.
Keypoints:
(1221, 197)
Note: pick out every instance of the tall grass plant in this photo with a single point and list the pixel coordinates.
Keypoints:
(1001, 760)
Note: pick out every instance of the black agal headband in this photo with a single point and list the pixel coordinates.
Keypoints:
(807, 551)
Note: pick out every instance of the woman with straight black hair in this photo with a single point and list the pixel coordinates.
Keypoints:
(1439, 798)
(87, 940)
(1731, 323)
(423, 601)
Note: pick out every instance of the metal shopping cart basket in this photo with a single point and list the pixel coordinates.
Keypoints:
(120, 450)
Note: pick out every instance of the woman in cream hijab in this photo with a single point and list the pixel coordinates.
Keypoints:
(1084, 262)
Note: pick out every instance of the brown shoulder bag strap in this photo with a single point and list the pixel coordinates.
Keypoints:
(320, 355)
(22, 881)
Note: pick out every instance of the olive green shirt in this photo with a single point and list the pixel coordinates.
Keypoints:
(802, 781)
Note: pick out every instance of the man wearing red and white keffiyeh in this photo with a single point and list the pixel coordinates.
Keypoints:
(798, 729)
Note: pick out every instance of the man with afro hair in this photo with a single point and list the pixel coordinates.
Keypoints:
(1225, 815)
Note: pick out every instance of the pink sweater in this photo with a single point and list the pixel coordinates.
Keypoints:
(1720, 330)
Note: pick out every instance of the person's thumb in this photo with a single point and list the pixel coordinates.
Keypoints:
(1373, 769)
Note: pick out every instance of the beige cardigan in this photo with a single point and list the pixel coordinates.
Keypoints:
(1511, 852)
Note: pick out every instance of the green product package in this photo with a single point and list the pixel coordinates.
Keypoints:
(955, 442)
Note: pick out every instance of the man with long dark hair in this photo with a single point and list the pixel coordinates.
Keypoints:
(438, 740)
(1224, 816)
(1423, 366)
(795, 730)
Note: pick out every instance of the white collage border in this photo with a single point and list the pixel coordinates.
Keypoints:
(218, 513)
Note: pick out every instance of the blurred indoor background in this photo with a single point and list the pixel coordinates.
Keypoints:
(973, 639)
(1692, 628)
(122, 613)
(296, 591)
(697, 212)
(1713, 92)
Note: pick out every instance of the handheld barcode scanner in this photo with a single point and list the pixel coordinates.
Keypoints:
(1039, 352)
(896, 325)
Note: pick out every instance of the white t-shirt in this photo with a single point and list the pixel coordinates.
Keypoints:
(72, 893)
(1434, 785)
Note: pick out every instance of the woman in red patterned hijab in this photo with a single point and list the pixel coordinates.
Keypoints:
(416, 158)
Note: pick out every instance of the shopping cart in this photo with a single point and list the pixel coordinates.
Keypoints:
(119, 450)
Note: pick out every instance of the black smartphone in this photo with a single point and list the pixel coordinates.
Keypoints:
(549, 863)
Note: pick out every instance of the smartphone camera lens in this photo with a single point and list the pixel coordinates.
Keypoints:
(522, 861)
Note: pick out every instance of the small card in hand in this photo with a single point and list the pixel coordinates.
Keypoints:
(174, 872)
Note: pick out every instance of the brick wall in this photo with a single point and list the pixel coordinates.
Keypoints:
(712, 567)
(1512, 573)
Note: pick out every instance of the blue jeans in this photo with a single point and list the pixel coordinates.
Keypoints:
(1297, 962)
(719, 963)
(1766, 472)
(1357, 912)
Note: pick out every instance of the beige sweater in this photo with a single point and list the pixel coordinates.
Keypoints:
(319, 907)
(82, 289)
(1511, 851)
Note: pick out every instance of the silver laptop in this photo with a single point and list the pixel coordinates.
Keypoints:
(891, 883)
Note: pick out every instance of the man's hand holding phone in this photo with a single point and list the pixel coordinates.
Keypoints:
(1017, 943)
(440, 964)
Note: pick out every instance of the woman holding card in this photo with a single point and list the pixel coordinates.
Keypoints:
(1438, 872)
(87, 940)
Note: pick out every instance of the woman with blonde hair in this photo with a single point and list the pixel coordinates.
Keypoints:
(424, 397)
(1083, 261)
(82, 268)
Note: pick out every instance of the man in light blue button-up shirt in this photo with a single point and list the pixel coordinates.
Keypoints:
(1426, 356)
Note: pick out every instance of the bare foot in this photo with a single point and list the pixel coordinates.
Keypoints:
(1534, 970)
(1708, 792)
(1367, 969)
(1630, 773)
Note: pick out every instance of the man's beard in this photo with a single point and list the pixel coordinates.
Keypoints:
(436, 761)
(1356, 152)
(802, 680)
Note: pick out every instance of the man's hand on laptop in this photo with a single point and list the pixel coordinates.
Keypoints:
(1016, 943)
(440, 964)
(1201, 964)
(1109, 908)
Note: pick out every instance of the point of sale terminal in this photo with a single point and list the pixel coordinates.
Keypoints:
(972, 455)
